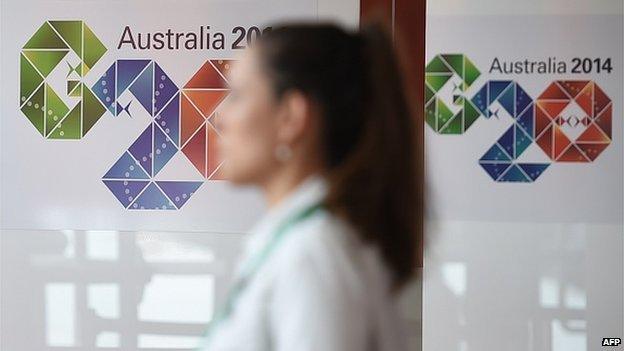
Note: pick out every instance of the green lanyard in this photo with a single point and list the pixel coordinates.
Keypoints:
(252, 266)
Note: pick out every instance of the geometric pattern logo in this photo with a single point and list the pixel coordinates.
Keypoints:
(570, 121)
(60, 51)
(183, 125)
(573, 120)
(439, 73)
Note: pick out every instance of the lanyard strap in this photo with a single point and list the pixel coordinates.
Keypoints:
(252, 266)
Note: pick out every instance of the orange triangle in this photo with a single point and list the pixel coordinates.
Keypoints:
(207, 77)
(603, 120)
(601, 100)
(561, 142)
(592, 150)
(212, 141)
(541, 120)
(545, 141)
(191, 119)
(223, 66)
(573, 87)
(553, 108)
(572, 154)
(195, 150)
(585, 98)
(206, 100)
(553, 91)
(593, 134)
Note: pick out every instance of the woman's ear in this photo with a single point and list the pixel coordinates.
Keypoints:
(294, 118)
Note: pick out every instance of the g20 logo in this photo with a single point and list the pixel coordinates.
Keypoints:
(183, 120)
(570, 120)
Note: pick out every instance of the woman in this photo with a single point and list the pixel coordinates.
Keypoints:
(318, 119)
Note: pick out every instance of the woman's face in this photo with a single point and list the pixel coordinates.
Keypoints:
(248, 123)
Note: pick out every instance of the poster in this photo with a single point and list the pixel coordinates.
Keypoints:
(109, 118)
(524, 118)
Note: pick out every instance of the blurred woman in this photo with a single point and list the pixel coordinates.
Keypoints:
(318, 119)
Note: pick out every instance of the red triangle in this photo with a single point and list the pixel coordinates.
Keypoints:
(541, 120)
(195, 150)
(601, 100)
(561, 142)
(553, 108)
(572, 154)
(592, 150)
(545, 141)
(553, 91)
(603, 120)
(207, 77)
(191, 119)
(585, 98)
(593, 134)
(206, 100)
(212, 142)
(573, 87)
(223, 66)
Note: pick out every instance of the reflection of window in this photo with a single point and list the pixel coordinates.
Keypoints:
(129, 290)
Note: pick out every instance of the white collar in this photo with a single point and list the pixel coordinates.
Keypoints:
(311, 190)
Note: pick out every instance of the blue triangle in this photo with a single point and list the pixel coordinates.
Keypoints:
(514, 174)
(125, 191)
(164, 88)
(507, 141)
(126, 168)
(127, 70)
(141, 149)
(152, 199)
(179, 191)
(164, 149)
(525, 120)
(170, 115)
(534, 170)
(480, 101)
(496, 87)
(522, 141)
(495, 169)
(506, 99)
(522, 99)
(142, 88)
(495, 153)
(104, 89)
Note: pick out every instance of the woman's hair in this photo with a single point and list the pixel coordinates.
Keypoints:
(367, 130)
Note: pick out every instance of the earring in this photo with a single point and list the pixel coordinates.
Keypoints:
(283, 152)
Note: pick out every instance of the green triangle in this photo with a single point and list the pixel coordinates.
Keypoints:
(93, 48)
(30, 79)
(456, 61)
(55, 109)
(71, 87)
(430, 114)
(45, 38)
(45, 61)
(436, 65)
(437, 81)
(443, 114)
(69, 128)
(454, 126)
(93, 110)
(428, 93)
(470, 71)
(71, 31)
(470, 114)
(33, 108)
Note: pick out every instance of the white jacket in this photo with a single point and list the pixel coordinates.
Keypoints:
(320, 289)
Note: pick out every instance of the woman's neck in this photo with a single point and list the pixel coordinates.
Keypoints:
(282, 183)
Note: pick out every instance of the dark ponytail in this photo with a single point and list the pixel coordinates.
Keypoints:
(367, 130)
